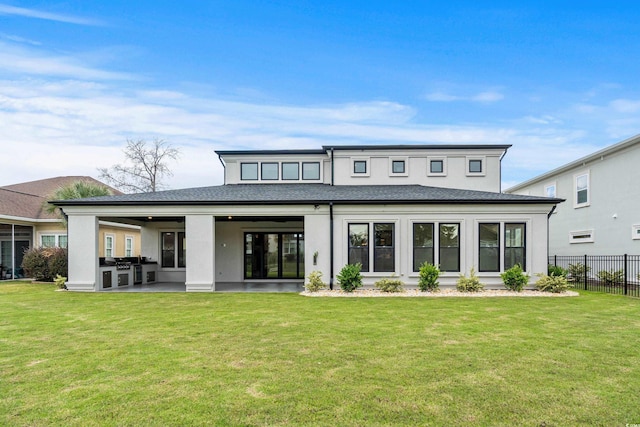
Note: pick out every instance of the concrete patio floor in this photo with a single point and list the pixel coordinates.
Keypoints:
(220, 287)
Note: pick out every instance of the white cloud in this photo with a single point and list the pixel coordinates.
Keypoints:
(482, 97)
(38, 14)
(626, 105)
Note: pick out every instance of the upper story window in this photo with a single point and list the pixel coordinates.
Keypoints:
(269, 171)
(582, 197)
(399, 166)
(249, 171)
(550, 190)
(437, 166)
(475, 166)
(360, 167)
(290, 171)
(311, 170)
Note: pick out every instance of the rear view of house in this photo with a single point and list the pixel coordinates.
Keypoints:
(284, 213)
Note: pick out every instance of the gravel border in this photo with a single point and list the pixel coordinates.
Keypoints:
(368, 293)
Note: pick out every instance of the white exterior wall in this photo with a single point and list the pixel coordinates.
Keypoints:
(469, 216)
(201, 243)
(613, 213)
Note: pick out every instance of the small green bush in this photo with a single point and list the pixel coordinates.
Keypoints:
(577, 271)
(556, 270)
(315, 282)
(389, 285)
(469, 284)
(552, 283)
(60, 281)
(611, 277)
(350, 278)
(514, 278)
(43, 264)
(429, 274)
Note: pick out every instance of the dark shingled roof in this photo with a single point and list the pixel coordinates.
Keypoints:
(259, 194)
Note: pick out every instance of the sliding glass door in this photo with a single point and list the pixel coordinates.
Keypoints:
(274, 255)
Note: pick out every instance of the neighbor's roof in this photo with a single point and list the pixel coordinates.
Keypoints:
(578, 163)
(261, 194)
(327, 148)
(26, 199)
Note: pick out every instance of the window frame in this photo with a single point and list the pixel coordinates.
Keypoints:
(416, 266)
(440, 247)
(576, 190)
(128, 251)
(179, 250)
(635, 232)
(282, 171)
(382, 249)
(582, 236)
(405, 167)
(243, 164)
(548, 186)
(109, 237)
(365, 160)
(350, 246)
(443, 160)
(483, 165)
(310, 164)
(505, 264)
(262, 171)
(496, 248)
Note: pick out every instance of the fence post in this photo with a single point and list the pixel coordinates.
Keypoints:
(625, 275)
(585, 272)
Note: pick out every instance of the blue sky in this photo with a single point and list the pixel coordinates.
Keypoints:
(79, 78)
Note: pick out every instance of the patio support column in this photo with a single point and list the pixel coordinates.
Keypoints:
(317, 239)
(201, 243)
(82, 244)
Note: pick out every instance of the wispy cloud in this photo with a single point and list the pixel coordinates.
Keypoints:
(482, 97)
(6, 9)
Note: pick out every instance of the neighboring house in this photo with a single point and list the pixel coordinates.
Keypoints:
(25, 223)
(284, 213)
(602, 212)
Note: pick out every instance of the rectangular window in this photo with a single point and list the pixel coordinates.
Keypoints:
(582, 236)
(108, 245)
(514, 245)
(635, 231)
(174, 249)
(582, 190)
(449, 251)
(422, 244)
(248, 171)
(436, 166)
(383, 250)
(397, 166)
(475, 166)
(269, 171)
(489, 251)
(550, 190)
(360, 166)
(128, 246)
(48, 240)
(359, 245)
(311, 170)
(290, 171)
(62, 240)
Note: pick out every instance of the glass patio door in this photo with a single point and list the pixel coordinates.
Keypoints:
(273, 255)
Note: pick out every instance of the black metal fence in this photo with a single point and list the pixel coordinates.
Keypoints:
(616, 274)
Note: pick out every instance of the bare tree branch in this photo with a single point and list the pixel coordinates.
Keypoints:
(145, 167)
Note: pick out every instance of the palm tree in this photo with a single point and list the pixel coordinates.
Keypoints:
(76, 190)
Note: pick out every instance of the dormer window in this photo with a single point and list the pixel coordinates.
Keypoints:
(249, 171)
(397, 166)
(269, 171)
(475, 166)
(290, 171)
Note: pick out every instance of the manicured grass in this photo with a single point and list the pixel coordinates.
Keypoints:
(282, 359)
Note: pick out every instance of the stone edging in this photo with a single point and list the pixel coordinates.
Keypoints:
(368, 293)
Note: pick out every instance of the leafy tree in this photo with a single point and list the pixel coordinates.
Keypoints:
(145, 166)
(76, 190)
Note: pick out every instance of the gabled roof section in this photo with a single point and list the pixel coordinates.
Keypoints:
(289, 194)
(579, 163)
(26, 199)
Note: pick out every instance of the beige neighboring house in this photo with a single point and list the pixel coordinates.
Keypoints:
(25, 223)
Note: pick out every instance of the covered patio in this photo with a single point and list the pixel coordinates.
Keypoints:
(266, 287)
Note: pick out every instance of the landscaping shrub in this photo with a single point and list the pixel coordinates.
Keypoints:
(43, 264)
(514, 278)
(556, 270)
(350, 278)
(428, 280)
(577, 271)
(389, 285)
(469, 284)
(315, 282)
(60, 281)
(611, 277)
(552, 283)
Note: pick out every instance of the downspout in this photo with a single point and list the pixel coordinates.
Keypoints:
(331, 165)
(331, 245)
(225, 169)
(13, 252)
(553, 209)
(500, 174)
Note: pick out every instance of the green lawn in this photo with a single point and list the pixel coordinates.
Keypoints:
(282, 359)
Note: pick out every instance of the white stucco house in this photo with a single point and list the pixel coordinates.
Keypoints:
(602, 212)
(284, 213)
